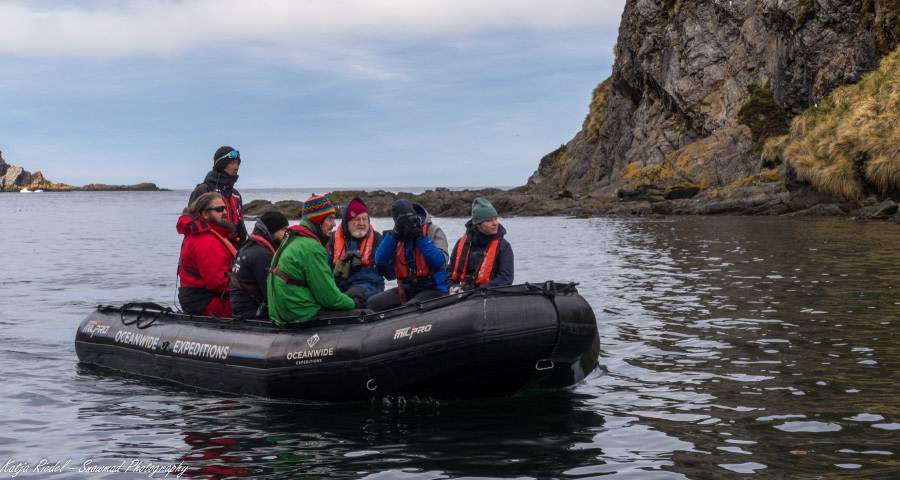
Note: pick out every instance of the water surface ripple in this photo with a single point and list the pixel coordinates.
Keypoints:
(732, 347)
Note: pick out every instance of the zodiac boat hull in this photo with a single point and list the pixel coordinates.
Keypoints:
(481, 343)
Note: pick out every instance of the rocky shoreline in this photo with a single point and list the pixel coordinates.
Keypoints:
(14, 179)
(770, 198)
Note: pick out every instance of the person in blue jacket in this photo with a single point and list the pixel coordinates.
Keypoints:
(351, 253)
(415, 253)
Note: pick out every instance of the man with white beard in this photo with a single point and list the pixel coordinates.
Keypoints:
(351, 253)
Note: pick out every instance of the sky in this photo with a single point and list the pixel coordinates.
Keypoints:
(336, 93)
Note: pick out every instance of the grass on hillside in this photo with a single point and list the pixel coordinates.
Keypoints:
(850, 142)
(597, 111)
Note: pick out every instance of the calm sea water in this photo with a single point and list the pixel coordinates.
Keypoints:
(732, 347)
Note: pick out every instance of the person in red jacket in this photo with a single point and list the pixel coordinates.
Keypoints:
(206, 256)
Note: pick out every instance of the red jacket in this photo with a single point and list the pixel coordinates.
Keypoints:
(204, 266)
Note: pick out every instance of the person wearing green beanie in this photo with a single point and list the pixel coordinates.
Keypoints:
(482, 257)
(482, 210)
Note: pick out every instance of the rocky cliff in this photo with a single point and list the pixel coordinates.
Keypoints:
(14, 178)
(698, 87)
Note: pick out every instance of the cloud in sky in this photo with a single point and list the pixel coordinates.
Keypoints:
(308, 90)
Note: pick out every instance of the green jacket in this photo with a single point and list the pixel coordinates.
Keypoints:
(303, 258)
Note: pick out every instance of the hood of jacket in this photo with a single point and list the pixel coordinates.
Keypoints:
(194, 226)
(222, 181)
(422, 213)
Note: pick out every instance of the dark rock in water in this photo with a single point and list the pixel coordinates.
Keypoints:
(138, 187)
(881, 211)
(829, 210)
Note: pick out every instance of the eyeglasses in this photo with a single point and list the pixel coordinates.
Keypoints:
(220, 208)
(231, 154)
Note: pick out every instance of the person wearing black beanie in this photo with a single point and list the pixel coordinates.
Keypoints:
(224, 174)
(248, 274)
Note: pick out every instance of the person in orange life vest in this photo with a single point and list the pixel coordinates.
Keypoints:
(351, 253)
(206, 256)
(226, 162)
(481, 257)
(415, 253)
(300, 283)
(250, 269)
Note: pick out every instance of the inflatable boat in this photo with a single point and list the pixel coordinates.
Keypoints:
(493, 342)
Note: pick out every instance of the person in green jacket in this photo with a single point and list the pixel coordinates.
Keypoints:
(300, 283)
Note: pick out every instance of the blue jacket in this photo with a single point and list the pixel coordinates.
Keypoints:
(433, 247)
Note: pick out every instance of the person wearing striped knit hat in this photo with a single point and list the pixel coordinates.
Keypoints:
(300, 283)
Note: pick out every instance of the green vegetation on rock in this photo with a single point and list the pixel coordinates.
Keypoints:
(597, 112)
(762, 114)
(850, 142)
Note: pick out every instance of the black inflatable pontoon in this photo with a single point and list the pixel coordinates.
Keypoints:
(479, 343)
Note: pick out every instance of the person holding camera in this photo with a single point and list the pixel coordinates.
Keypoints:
(482, 257)
(351, 253)
(415, 253)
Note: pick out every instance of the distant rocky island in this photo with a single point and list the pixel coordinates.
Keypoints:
(16, 179)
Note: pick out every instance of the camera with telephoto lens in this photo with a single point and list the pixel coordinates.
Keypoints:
(414, 220)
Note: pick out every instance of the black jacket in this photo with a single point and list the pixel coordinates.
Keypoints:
(224, 184)
(248, 276)
(503, 272)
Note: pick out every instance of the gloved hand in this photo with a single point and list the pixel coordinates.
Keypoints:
(399, 225)
(359, 303)
(412, 231)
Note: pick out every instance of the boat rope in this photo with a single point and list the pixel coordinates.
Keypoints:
(144, 307)
(547, 363)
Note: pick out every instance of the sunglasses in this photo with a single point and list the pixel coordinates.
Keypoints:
(219, 209)
(231, 154)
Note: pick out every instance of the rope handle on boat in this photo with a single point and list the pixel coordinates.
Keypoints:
(144, 308)
(547, 363)
(544, 364)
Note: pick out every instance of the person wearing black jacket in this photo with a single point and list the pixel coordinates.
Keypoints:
(221, 179)
(481, 257)
(248, 274)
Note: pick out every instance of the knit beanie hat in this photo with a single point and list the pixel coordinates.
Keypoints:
(223, 157)
(400, 208)
(355, 208)
(482, 210)
(274, 221)
(316, 208)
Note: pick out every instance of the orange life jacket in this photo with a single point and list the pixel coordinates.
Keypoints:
(401, 263)
(485, 270)
(340, 247)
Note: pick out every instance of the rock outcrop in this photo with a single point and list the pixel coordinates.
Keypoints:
(14, 179)
(754, 198)
(698, 86)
